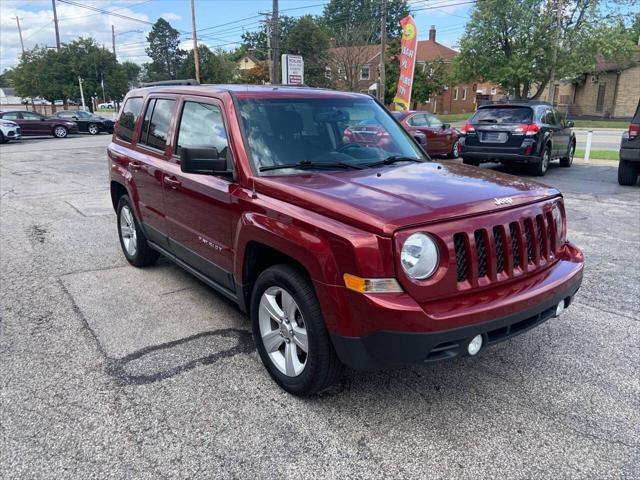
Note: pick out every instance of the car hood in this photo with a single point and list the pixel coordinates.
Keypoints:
(383, 200)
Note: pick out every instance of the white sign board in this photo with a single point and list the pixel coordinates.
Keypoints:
(292, 70)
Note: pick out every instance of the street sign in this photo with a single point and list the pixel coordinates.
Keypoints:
(292, 70)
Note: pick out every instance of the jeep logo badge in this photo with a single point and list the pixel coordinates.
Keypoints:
(503, 201)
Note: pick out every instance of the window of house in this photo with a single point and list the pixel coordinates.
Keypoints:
(201, 125)
(157, 119)
(365, 72)
(327, 73)
(128, 117)
(464, 93)
(455, 93)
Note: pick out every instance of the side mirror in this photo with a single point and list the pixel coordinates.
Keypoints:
(421, 138)
(204, 161)
(445, 126)
(42, 119)
(569, 124)
(75, 117)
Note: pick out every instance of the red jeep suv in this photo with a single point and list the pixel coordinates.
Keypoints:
(341, 251)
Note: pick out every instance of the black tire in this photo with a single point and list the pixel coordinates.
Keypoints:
(144, 255)
(568, 160)
(2, 138)
(469, 161)
(540, 168)
(60, 131)
(455, 150)
(628, 173)
(93, 129)
(322, 368)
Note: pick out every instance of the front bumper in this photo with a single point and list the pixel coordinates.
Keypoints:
(431, 333)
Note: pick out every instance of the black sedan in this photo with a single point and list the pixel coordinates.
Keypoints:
(86, 121)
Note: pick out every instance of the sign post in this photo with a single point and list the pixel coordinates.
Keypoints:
(409, 43)
(292, 70)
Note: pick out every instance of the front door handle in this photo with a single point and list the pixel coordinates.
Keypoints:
(172, 182)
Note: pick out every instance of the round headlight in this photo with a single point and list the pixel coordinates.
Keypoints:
(557, 218)
(419, 256)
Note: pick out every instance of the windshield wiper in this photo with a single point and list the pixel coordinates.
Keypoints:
(310, 164)
(394, 159)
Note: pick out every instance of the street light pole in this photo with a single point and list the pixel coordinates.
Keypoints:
(20, 33)
(81, 93)
(55, 22)
(113, 40)
(196, 56)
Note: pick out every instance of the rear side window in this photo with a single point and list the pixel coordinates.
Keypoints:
(157, 119)
(503, 115)
(128, 118)
(201, 125)
(11, 116)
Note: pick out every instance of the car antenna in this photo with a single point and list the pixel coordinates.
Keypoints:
(254, 195)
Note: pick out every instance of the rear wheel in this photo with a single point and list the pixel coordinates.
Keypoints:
(132, 240)
(93, 129)
(455, 150)
(60, 132)
(628, 173)
(469, 161)
(539, 169)
(568, 160)
(290, 333)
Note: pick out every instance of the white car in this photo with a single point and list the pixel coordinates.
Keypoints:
(106, 105)
(9, 131)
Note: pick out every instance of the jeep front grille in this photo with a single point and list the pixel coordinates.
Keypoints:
(504, 250)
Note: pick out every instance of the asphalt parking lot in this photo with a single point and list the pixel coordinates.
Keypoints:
(107, 371)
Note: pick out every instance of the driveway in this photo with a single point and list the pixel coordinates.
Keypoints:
(108, 371)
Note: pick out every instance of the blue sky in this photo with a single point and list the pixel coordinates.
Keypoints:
(239, 15)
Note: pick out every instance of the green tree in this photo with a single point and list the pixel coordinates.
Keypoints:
(342, 16)
(308, 39)
(510, 42)
(215, 67)
(132, 72)
(256, 43)
(43, 73)
(6, 78)
(166, 57)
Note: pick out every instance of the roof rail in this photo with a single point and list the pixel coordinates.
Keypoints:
(166, 83)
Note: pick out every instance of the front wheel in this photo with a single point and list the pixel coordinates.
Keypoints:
(93, 129)
(455, 150)
(628, 173)
(2, 138)
(290, 334)
(568, 160)
(60, 132)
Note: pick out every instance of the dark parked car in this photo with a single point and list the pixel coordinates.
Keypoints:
(441, 138)
(34, 124)
(526, 133)
(341, 252)
(629, 166)
(87, 122)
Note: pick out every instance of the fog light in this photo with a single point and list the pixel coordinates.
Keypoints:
(559, 308)
(475, 345)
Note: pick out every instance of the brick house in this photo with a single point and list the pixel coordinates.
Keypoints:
(354, 69)
(612, 91)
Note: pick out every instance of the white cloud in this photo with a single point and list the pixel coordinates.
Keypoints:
(169, 16)
(38, 29)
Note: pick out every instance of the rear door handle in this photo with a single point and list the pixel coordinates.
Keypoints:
(133, 165)
(172, 182)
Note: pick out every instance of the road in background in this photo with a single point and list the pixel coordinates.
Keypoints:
(109, 371)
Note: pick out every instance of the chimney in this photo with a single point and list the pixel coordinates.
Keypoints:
(432, 33)
(332, 42)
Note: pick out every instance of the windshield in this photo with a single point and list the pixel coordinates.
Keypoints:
(503, 115)
(337, 132)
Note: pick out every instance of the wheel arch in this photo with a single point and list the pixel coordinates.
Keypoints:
(117, 190)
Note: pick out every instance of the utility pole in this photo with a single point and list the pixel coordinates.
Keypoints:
(554, 58)
(196, 56)
(383, 49)
(80, 81)
(55, 22)
(20, 33)
(113, 40)
(275, 44)
(267, 31)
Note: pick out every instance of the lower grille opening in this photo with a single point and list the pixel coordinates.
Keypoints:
(444, 350)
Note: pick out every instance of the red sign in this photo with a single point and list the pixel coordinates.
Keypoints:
(408, 51)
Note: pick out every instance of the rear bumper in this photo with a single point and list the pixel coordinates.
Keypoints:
(500, 156)
(518, 310)
(630, 154)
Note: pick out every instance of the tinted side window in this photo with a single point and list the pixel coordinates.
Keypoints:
(418, 121)
(201, 125)
(128, 117)
(11, 116)
(434, 122)
(155, 130)
(31, 116)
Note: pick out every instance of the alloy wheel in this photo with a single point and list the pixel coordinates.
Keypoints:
(60, 132)
(545, 160)
(455, 151)
(283, 331)
(128, 231)
(93, 129)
